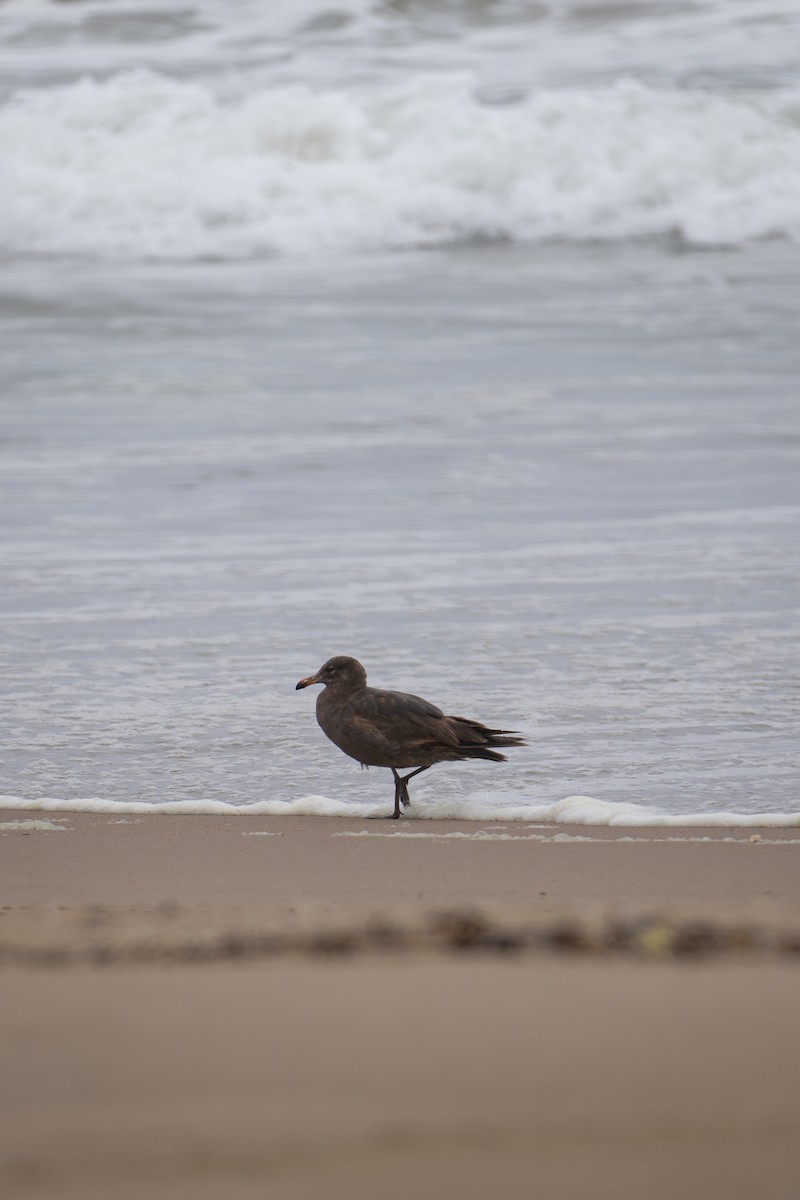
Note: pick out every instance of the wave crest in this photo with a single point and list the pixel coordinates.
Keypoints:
(144, 166)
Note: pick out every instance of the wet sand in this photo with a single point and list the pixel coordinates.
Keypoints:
(203, 1006)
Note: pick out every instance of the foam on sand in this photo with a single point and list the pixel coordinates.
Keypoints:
(485, 835)
(30, 826)
(572, 810)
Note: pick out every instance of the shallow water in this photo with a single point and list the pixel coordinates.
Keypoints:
(275, 390)
(553, 490)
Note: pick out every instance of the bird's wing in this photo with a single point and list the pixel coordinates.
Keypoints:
(406, 703)
(400, 712)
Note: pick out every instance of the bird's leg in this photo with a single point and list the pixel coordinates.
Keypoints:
(401, 795)
(398, 789)
(405, 799)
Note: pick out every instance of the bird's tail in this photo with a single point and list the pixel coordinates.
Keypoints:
(481, 752)
(486, 741)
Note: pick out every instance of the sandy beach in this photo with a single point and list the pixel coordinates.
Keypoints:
(204, 1006)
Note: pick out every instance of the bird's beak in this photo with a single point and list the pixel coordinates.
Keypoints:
(306, 682)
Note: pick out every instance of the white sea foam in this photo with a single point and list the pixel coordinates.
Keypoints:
(573, 810)
(28, 826)
(142, 165)
(484, 835)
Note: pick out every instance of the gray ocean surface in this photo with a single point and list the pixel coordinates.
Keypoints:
(538, 463)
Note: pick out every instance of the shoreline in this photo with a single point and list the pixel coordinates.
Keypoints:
(90, 888)
(571, 811)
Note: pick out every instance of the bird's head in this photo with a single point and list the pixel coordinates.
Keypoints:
(341, 672)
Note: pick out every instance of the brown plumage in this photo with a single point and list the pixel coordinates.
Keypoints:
(393, 729)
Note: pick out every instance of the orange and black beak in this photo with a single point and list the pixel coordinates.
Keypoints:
(307, 682)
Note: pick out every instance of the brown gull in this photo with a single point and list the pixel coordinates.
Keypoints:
(394, 729)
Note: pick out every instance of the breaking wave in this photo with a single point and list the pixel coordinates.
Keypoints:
(144, 166)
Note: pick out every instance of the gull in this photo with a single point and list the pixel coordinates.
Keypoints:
(394, 729)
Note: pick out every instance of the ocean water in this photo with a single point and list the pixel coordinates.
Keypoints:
(460, 337)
